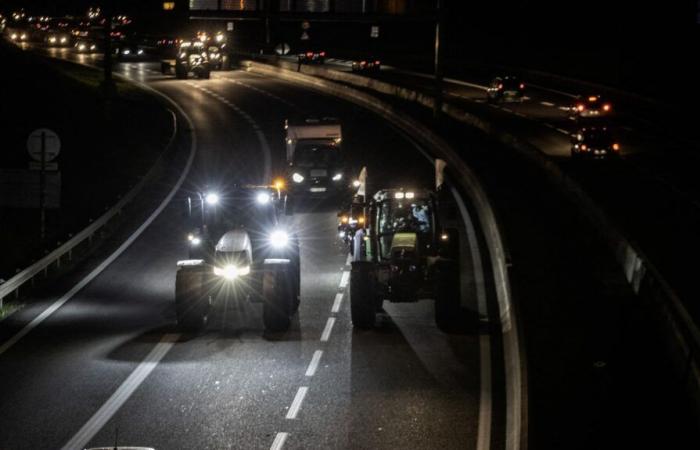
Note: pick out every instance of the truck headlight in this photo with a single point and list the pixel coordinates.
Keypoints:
(297, 177)
(337, 177)
(231, 272)
(279, 239)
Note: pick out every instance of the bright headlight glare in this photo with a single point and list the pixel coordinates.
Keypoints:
(263, 198)
(337, 177)
(231, 272)
(356, 183)
(195, 241)
(212, 198)
(279, 239)
(297, 178)
(140, 52)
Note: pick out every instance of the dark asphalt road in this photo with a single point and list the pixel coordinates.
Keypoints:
(403, 385)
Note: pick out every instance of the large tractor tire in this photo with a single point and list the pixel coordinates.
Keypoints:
(447, 295)
(363, 305)
(278, 292)
(192, 299)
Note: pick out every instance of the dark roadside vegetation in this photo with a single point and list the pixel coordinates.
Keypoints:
(106, 146)
(598, 376)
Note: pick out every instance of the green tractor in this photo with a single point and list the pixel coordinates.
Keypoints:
(405, 253)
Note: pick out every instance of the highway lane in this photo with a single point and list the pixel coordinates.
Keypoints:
(406, 384)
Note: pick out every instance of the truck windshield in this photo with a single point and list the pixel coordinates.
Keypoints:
(315, 155)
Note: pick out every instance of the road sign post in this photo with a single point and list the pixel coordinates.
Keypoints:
(43, 146)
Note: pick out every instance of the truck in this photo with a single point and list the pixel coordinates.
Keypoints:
(191, 58)
(316, 163)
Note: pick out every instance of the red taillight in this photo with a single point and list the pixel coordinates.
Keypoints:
(584, 147)
(309, 54)
(377, 62)
(322, 53)
(580, 107)
(362, 63)
(522, 85)
(616, 147)
(606, 107)
(500, 86)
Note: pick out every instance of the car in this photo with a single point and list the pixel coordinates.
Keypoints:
(85, 46)
(364, 65)
(312, 57)
(18, 36)
(57, 39)
(590, 106)
(316, 165)
(238, 248)
(506, 89)
(128, 51)
(191, 58)
(404, 253)
(594, 141)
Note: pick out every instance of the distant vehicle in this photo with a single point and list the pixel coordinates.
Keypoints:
(127, 50)
(316, 163)
(312, 57)
(595, 142)
(57, 39)
(238, 248)
(18, 36)
(217, 59)
(405, 253)
(85, 46)
(590, 106)
(191, 58)
(367, 65)
(506, 89)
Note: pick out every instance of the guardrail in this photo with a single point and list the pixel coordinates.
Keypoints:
(514, 353)
(14, 284)
(681, 333)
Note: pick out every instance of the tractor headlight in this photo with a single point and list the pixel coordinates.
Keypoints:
(279, 239)
(337, 177)
(139, 52)
(126, 51)
(297, 177)
(212, 198)
(194, 240)
(231, 272)
(64, 40)
(262, 198)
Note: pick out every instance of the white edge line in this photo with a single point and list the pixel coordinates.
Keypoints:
(344, 279)
(110, 259)
(327, 330)
(122, 394)
(296, 403)
(547, 104)
(337, 302)
(313, 365)
(278, 443)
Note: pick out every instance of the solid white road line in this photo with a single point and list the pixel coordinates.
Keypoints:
(327, 330)
(562, 131)
(547, 104)
(336, 303)
(99, 269)
(313, 365)
(296, 403)
(344, 279)
(121, 395)
(278, 443)
(483, 436)
(348, 260)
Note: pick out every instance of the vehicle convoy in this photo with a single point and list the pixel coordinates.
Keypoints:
(594, 141)
(506, 89)
(311, 56)
(240, 250)
(406, 252)
(191, 58)
(366, 65)
(316, 163)
(590, 106)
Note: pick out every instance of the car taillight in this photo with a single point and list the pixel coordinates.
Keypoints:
(580, 107)
(362, 63)
(616, 147)
(377, 62)
(322, 53)
(584, 147)
(500, 86)
(606, 107)
(522, 85)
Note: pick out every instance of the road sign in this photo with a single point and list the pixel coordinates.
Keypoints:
(304, 36)
(305, 25)
(374, 31)
(282, 48)
(44, 140)
(229, 26)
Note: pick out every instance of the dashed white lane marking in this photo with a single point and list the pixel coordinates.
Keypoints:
(344, 279)
(336, 303)
(519, 114)
(313, 365)
(278, 443)
(348, 260)
(547, 104)
(296, 403)
(564, 108)
(562, 131)
(121, 395)
(327, 330)
(526, 98)
(508, 110)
